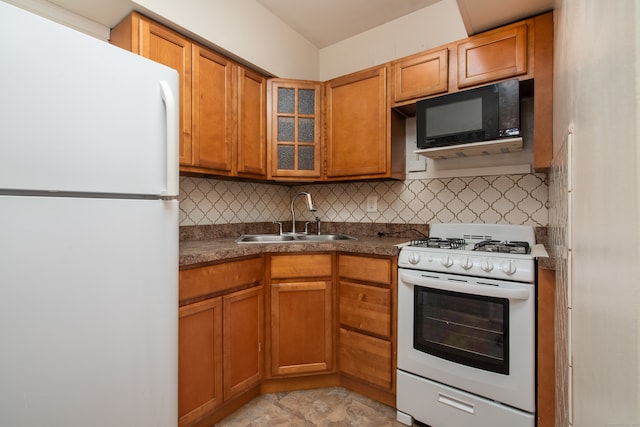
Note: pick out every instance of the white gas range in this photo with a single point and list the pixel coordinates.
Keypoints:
(466, 326)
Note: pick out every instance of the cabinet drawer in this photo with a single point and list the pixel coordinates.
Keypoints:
(366, 358)
(497, 55)
(301, 266)
(367, 308)
(376, 270)
(203, 281)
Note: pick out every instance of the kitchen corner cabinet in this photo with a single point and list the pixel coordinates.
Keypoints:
(367, 324)
(421, 75)
(220, 342)
(294, 129)
(361, 142)
(300, 314)
(222, 104)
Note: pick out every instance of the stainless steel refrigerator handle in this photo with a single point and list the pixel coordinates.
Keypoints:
(173, 140)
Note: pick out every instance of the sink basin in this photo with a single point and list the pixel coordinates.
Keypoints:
(264, 238)
(324, 237)
(284, 238)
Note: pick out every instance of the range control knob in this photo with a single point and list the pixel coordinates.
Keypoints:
(446, 261)
(466, 263)
(414, 258)
(508, 268)
(486, 265)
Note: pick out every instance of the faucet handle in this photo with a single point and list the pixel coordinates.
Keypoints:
(318, 225)
(279, 226)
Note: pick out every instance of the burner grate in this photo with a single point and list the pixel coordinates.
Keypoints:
(435, 242)
(514, 247)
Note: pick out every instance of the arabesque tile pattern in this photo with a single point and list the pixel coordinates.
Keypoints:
(512, 199)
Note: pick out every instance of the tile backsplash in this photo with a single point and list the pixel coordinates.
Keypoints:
(513, 199)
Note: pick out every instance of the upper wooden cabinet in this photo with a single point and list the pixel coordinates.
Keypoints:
(495, 55)
(222, 104)
(359, 138)
(294, 129)
(212, 110)
(156, 42)
(421, 75)
(251, 117)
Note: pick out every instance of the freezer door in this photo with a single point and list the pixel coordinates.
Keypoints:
(79, 115)
(88, 312)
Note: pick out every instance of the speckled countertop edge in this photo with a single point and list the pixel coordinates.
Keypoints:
(205, 251)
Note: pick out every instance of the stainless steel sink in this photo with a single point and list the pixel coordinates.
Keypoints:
(324, 237)
(285, 238)
(264, 238)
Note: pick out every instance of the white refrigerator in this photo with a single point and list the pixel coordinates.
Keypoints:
(88, 231)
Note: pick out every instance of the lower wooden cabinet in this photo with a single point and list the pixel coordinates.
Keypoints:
(301, 314)
(220, 351)
(242, 341)
(221, 338)
(199, 359)
(367, 318)
(330, 320)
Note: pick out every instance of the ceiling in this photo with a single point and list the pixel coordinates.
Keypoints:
(325, 22)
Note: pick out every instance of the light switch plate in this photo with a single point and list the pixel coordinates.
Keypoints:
(372, 203)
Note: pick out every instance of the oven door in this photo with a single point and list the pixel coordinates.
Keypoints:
(474, 334)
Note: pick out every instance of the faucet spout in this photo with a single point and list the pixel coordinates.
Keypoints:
(310, 207)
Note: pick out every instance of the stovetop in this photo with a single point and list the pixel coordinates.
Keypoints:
(500, 251)
(488, 245)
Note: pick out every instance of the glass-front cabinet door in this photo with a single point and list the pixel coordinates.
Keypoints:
(295, 129)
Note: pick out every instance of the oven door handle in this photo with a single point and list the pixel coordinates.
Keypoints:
(466, 287)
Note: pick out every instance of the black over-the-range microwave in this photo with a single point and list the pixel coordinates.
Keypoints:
(482, 114)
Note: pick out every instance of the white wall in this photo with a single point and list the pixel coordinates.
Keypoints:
(424, 29)
(246, 29)
(596, 88)
(249, 31)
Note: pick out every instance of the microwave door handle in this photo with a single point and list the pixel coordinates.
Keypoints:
(466, 288)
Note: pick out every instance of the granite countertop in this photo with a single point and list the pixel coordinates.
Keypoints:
(203, 244)
(217, 249)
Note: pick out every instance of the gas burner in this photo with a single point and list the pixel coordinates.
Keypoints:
(514, 247)
(435, 242)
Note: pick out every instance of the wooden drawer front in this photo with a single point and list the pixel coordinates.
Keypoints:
(420, 76)
(366, 358)
(376, 270)
(498, 55)
(301, 266)
(367, 308)
(208, 280)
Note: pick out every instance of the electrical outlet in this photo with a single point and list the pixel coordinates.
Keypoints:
(372, 203)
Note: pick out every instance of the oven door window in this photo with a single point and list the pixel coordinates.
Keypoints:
(469, 329)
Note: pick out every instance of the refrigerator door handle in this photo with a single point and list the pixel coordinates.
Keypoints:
(173, 140)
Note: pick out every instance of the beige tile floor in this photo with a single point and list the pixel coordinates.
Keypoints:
(326, 407)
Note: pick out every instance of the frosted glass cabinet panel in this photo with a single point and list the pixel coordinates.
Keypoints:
(294, 133)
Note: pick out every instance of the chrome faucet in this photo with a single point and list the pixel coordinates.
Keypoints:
(310, 208)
